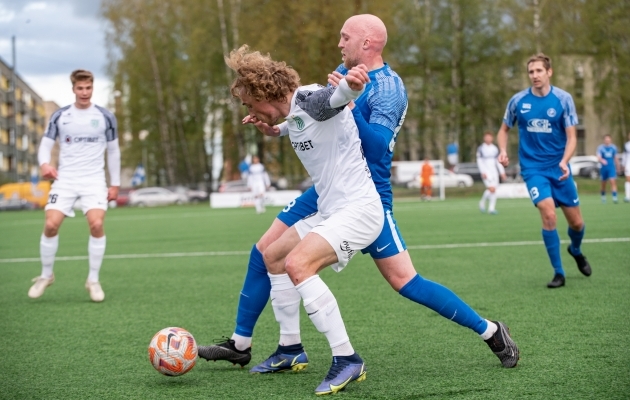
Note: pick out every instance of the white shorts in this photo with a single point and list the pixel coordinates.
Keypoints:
(626, 172)
(491, 181)
(258, 190)
(62, 197)
(348, 230)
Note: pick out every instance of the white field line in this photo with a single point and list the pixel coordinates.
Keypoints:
(243, 253)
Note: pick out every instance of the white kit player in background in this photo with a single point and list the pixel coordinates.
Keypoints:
(84, 130)
(258, 182)
(490, 170)
(626, 164)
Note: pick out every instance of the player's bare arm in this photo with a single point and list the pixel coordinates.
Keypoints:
(502, 140)
(568, 152)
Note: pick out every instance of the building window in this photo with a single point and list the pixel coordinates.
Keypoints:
(24, 142)
(4, 136)
(581, 141)
(2, 162)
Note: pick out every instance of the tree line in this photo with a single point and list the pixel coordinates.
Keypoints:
(460, 61)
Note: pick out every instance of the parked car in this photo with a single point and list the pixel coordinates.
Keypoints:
(123, 197)
(512, 171)
(578, 162)
(14, 203)
(189, 195)
(590, 170)
(451, 179)
(154, 196)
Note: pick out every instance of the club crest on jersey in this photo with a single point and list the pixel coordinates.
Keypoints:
(94, 123)
(551, 112)
(299, 123)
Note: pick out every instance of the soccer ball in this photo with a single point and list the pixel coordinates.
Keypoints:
(173, 351)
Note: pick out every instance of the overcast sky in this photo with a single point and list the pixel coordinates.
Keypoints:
(53, 38)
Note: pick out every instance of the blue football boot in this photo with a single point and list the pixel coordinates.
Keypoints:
(285, 358)
(344, 369)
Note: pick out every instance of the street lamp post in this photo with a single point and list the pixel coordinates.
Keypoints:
(142, 135)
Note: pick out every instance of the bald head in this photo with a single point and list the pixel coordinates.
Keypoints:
(363, 38)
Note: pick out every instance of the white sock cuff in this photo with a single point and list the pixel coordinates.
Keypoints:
(96, 243)
(490, 330)
(312, 289)
(49, 241)
(280, 281)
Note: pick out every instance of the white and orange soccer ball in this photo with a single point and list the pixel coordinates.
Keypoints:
(173, 351)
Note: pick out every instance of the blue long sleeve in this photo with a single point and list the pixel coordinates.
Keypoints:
(375, 138)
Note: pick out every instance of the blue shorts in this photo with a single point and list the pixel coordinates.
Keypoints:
(608, 172)
(543, 184)
(389, 242)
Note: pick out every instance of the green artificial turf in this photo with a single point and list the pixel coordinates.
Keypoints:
(574, 340)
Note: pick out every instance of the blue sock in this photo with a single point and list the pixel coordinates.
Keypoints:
(552, 243)
(614, 194)
(443, 301)
(576, 240)
(254, 295)
(603, 192)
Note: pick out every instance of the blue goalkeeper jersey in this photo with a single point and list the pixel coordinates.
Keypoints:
(542, 122)
(379, 115)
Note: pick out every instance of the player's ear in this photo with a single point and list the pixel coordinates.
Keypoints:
(550, 72)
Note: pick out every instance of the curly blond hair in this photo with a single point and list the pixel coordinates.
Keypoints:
(261, 77)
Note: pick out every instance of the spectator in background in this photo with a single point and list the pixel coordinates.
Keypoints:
(258, 182)
(607, 155)
(490, 170)
(426, 173)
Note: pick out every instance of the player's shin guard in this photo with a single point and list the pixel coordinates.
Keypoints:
(321, 307)
(552, 244)
(576, 240)
(47, 251)
(627, 187)
(285, 301)
(443, 301)
(493, 202)
(96, 252)
(254, 294)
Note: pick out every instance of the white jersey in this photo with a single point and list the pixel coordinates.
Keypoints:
(626, 155)
(83, 136)
(487, 160)
(257, 178)
(327, 142)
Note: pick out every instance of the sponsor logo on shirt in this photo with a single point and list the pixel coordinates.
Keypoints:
(537, 125)
(551, 112)
(84, 139)
(302, 146)
(67, 139)
(299, 122)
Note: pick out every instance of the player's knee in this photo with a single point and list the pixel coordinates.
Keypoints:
(296, 269)
(51, 228)
(549, 220)
(492, 190)
(272, 262)
(96, 227)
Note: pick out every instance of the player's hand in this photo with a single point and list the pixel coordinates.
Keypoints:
(112, 193)
(503, 177)
(484, 176)
(48, 171)
(264, 127)
(357, 77)
(564, 169)
(503, 159)
(603, 162)
(334, 78)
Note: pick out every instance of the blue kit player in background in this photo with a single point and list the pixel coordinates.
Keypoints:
(546, 120)
(607, 155)
(379, 114)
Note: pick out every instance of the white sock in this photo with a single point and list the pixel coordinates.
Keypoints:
(47, 249)
(96, 251)
(322, 309)
(490, 330)
(627, 186)
(285, 301)
(482, 202)
(241, 342)
(493, 201)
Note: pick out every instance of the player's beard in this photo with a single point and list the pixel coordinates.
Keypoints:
(350, 62)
